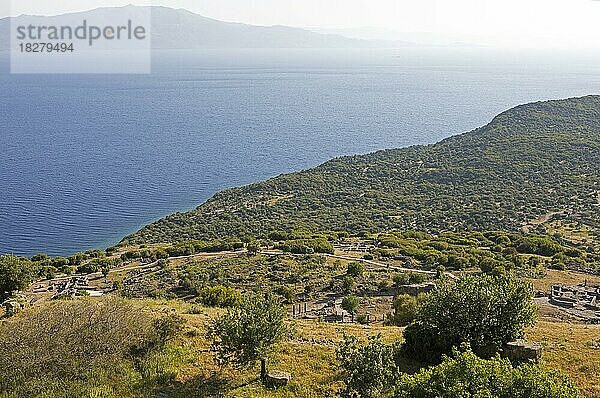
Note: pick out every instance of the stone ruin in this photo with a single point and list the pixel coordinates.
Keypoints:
(277, 379)
(522, 351)
(75, 287)
(576, 296)
(329, 309)
(582, 300)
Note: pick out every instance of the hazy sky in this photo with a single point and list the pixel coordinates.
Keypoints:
(548, 23)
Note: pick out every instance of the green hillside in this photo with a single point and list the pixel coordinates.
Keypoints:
(530, 161)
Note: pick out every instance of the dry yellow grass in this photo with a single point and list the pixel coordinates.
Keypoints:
(563, 278)
(310, 357)
(573, 349)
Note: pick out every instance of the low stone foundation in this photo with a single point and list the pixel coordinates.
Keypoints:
(522, 351)
(277, 379)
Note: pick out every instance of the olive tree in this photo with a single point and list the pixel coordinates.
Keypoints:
(483, 311)
(250, 332)
(16, 273)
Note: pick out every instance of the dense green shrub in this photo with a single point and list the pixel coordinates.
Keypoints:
(375, 370)
(369, 370)
(287, 292)
(543, 246)
(219, 296)
(16, 273)
(348, 284)
(355, 269)
(401, 279)
(405, 309)
(307, 246)
(484, 311)
(350, 304)
(467, 376)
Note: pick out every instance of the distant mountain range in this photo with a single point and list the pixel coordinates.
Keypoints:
(182, 29)
(413, 38)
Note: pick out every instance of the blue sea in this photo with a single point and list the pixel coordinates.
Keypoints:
(88, 159)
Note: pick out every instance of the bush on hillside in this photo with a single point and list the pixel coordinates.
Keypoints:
(70, 349)
(483, 311)
(466, 375)
(374, 369)
(220, 296)
(369, 370)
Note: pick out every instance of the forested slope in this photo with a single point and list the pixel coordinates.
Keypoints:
(529, 161)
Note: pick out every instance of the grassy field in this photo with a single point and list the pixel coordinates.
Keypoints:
(569, 278)
(310, 357)
(573, 349)
(310, 354)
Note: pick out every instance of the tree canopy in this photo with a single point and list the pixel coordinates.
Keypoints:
(249, 332)
(467, 376)
(373, 369)
(16, 273)
(483, 311)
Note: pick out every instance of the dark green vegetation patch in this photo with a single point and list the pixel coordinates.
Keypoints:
(529, 162)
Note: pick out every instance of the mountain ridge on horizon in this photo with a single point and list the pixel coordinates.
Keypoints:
(183, 29)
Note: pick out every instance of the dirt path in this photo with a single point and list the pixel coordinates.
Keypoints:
(127, 268)
(369, 262)
(392, 267)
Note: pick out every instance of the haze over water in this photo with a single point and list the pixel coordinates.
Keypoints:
(88, 159)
